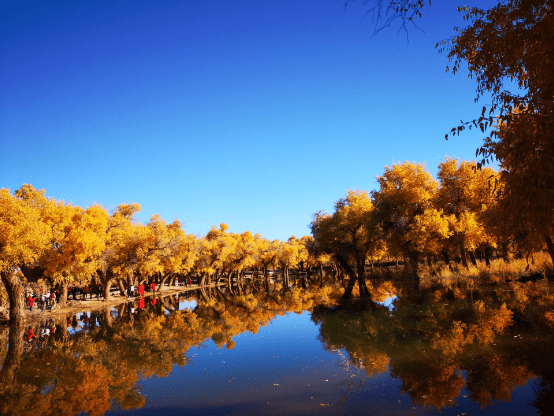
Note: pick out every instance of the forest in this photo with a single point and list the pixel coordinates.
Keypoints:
(443, 228)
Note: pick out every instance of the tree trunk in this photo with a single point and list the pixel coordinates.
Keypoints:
(487, 253)
(447, 260)
(121, 287)
(13, 357)
(472, 258)
(505, 252)
(106, 289)
(266, 279)
(62, 300)
(463, 251)
(14, 287)
(364, 292)
(163, 279)
(415, 271)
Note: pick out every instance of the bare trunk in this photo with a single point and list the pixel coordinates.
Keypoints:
(121, 287)
(62, 300)
(106, 289)
(15, 295)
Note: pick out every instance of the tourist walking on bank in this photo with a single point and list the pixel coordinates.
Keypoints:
(31, 300)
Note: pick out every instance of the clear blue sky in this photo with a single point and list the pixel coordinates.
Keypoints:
(253, 113)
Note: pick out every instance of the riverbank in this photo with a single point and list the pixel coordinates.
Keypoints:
(79, 305)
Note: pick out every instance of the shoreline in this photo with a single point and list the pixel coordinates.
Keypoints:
(79, 305)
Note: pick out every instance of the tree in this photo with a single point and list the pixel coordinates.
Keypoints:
(291, 253)
(114, 261)
(386, 12)
(514, 42)
(78, 239)
(404, 205)
(24, 236)
(350, 234)
(464, 193)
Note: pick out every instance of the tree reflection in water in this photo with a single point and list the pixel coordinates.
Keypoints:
(435, 342)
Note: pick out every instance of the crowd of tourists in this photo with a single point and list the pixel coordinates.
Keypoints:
(47, 299)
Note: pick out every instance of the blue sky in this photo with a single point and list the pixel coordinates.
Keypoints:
(252, 113)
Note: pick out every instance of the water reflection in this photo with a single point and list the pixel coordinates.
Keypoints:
(439, 345)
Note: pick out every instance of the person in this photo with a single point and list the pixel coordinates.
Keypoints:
(85, 292)
(153, 287)
(42, 299)
(31, 300)
(141, 289)
(132, 290)
(31, 334)
(44, 332)
(52, 299)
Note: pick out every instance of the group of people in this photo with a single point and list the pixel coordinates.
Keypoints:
(45, 300)
(92, 289)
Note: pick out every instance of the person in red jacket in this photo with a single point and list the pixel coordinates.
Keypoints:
(31, 334)
(141, 289)
(153, 287)
(31, 301)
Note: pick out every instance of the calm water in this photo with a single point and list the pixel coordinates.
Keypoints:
(199, 356)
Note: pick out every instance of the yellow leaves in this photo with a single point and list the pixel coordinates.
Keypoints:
(24, 234)
(427, 230)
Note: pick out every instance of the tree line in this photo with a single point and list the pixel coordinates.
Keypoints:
(411, 216)
(461, 216)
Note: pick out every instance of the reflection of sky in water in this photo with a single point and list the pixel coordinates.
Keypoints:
(389, 302)
(80, 322)
(187, 304)
(284, 369)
